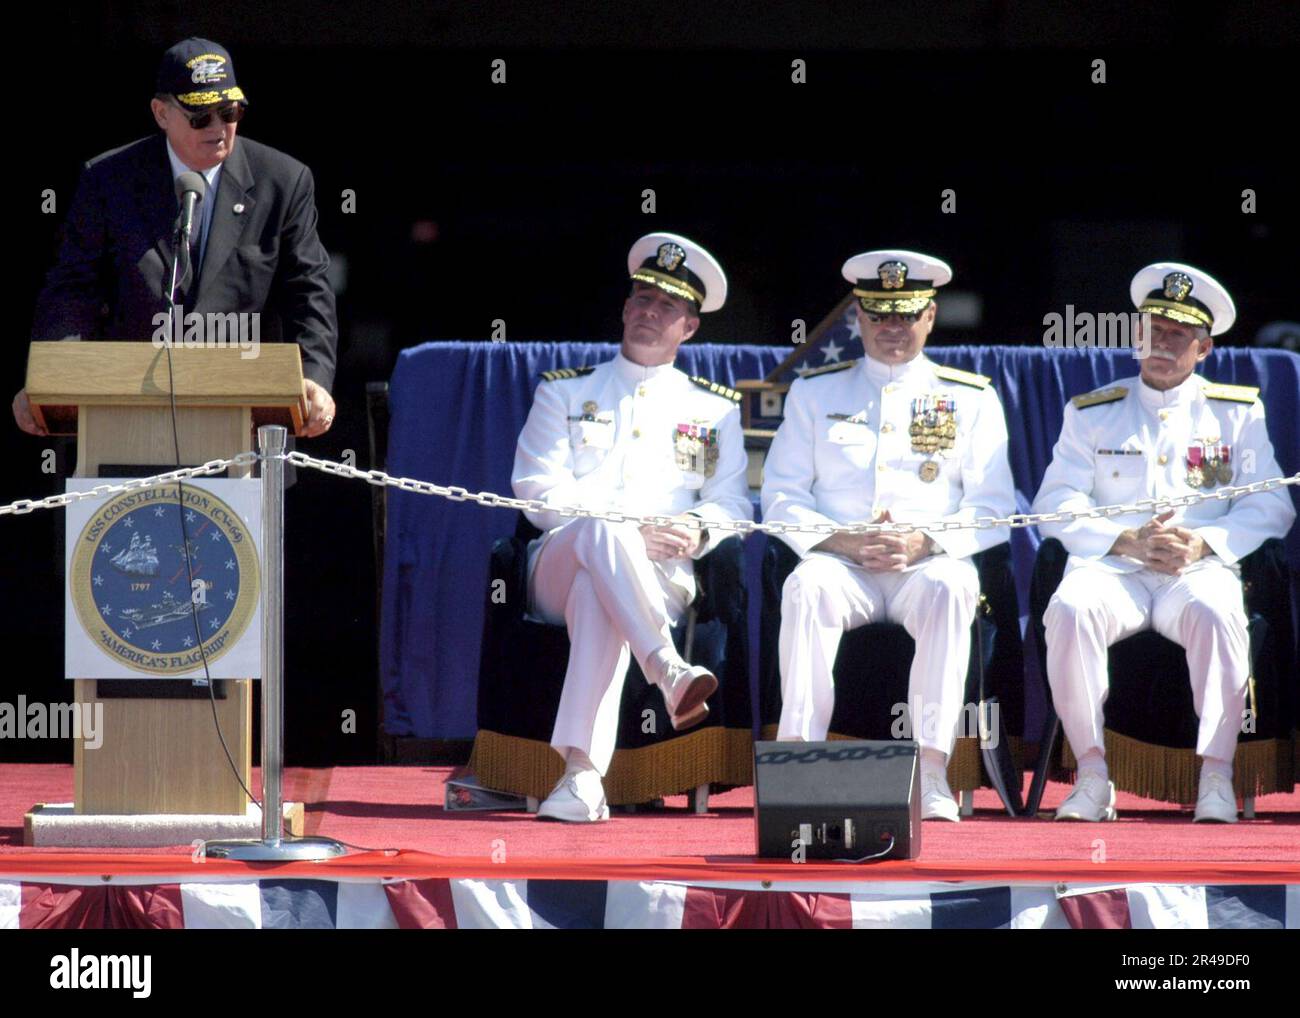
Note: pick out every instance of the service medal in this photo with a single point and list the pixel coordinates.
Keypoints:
(1209, 466)
(1225, 467)
(1195, 474)
(684, 446)
(945, 426)
(917, 428)
(709, 466)
(928, 471)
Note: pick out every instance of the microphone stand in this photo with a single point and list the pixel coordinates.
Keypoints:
(275, 844)
(180, 251)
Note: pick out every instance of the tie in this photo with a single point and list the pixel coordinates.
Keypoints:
(200, 243)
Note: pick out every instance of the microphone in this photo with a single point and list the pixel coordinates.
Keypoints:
(191, 189)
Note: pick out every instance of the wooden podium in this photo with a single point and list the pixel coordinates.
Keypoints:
(163, 755)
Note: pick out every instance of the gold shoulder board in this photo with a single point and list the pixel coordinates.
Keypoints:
(829, 369)
(962, 377)
(560, 373)
(1099, 396)
(716, 389)
(1236, 393)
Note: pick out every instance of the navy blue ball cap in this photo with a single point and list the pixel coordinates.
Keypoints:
(199, 73)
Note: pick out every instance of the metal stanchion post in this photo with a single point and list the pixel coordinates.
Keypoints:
(274, 844)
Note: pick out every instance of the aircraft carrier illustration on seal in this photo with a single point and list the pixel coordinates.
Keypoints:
(167, 610)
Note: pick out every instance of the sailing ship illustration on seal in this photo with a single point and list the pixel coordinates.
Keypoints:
(140, 557)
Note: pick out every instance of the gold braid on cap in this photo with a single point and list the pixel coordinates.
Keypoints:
(893, 294)
(672, 284)
(893, 302)
(210, 98)
(1189, 315)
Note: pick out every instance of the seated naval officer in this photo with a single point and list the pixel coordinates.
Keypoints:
(1167, 432)
(633, 434)
(893, 437)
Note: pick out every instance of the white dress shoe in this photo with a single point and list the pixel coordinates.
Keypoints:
(937, 802)
(1216, 801)
(578, 798)
(1093, 799)
(685, 688)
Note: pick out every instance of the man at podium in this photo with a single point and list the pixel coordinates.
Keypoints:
(253, 249)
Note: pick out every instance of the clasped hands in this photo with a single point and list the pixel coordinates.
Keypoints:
(1161, 548)
(880, 551)
(676, 540)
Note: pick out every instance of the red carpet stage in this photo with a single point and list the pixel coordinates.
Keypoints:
(1153, 868)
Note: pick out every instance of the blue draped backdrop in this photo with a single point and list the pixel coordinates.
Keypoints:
(457, 409)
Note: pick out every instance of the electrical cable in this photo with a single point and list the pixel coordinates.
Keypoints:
(183, 251)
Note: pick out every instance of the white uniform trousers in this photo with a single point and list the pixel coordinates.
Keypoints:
(1202, 610)
(826, 595)
(595, 577)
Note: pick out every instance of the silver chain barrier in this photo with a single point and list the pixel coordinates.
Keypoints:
(27, 505)
(493, 501)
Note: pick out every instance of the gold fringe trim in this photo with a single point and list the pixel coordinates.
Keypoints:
(723, 756)
(1173, 775)
(965, 766)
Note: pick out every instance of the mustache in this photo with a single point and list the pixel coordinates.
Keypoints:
(1161, 355)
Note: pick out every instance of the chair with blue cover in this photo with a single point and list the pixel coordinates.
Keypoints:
(521, 676)
(1150, 724)
(871, 677)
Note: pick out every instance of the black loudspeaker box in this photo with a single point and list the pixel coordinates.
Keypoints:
(847, 799)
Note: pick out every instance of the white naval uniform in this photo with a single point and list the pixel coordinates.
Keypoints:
(843, 454)
(1116, 451)
(593, 575)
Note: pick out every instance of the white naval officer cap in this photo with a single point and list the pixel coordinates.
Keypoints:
(895, 282)
(678, 266)
(1183, 294)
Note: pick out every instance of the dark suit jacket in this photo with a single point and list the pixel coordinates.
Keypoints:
(116, 247)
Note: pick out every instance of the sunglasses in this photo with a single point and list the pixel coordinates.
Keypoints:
(230, 114)
(910, 318)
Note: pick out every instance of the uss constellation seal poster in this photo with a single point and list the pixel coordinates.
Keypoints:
(139, 607)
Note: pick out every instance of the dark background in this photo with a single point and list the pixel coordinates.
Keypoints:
(518, 202)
